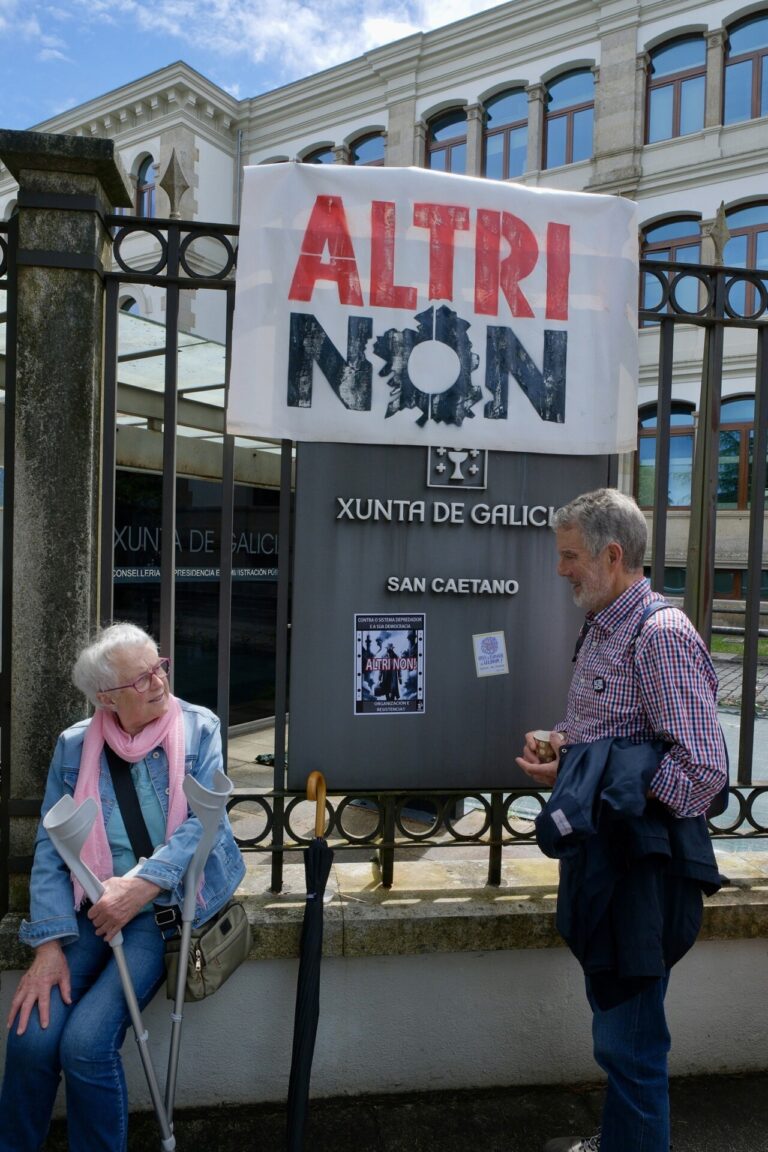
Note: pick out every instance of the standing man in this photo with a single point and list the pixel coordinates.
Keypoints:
(656, 681)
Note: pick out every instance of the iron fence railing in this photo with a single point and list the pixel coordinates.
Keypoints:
(400, 821)
(199, 256)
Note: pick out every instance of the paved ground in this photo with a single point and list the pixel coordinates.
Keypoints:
(722, 1114)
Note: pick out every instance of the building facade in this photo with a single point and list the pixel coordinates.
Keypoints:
(666, 104)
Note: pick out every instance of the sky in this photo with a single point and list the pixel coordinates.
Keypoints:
(60, 54)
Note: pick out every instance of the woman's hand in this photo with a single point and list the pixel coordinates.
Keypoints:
(48, 970)
(543, 772)
(122, 898)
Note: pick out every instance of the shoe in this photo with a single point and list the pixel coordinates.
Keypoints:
(573, 1144)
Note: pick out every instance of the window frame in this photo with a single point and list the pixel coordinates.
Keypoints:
(433, 147)
(568, 115)
(756, 57)
(679, 408)
(675, 80)
(146, 190)
(503, 130)
(360, 140)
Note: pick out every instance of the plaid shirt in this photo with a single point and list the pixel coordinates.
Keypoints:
(663, 685)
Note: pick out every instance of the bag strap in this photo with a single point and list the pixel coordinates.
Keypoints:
(128, 803)
(720, 802)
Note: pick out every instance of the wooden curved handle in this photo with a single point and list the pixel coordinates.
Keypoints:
(316, 791)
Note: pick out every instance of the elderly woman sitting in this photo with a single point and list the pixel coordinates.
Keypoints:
(69, 1011)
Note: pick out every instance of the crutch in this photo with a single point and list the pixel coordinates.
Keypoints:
(68, 825)
(208, 805)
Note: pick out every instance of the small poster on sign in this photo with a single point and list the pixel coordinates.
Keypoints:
(389, 664)
(490, 654)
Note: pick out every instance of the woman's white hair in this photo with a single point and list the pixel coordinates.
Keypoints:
(93, 671)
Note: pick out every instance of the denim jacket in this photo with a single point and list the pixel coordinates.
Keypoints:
(52, 912)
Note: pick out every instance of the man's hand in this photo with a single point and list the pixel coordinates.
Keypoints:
(122, 898)
(543, 773)
(48, 970)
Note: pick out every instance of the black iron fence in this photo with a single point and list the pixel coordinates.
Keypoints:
(196, 257)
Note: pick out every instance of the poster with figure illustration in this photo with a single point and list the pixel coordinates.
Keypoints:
(389, 664)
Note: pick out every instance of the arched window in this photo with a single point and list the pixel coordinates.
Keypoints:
(737, 437)
(747, 248)
(746, 70)
(447, 142)
(320, 156)
(145, 188)
(130, 304)
(675, 241)
(505, 138)
(676, 89)
(368, 151)
(680, 455)
(569, 118)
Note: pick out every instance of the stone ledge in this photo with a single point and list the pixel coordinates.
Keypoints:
(444, 906)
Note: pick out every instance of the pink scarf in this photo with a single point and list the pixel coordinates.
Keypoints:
(166, 732)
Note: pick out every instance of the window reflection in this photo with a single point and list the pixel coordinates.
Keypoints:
(680, 456)
(505, 142)
(676, 89)
(746, 70)
(569, 119)
(447, 142)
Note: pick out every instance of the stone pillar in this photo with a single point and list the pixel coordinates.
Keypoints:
(420, 144)
(619, 114)
(715, 65)
(537, 94)
(475, 119)
(400, 129)
(66, 184)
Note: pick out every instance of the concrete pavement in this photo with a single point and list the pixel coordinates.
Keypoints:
(709, 1114)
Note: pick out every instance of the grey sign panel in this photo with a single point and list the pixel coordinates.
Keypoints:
(398, 564)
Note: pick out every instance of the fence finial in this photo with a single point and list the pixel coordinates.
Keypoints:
(174, 183)
(718, 232)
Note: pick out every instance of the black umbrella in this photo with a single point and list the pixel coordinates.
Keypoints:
(317, 866)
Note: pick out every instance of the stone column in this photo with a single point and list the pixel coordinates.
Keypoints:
(715, 65)
(537, 94)
(420, 144)
(475, 120)
(66, 184)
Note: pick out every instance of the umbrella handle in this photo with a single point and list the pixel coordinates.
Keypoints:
(316, 791)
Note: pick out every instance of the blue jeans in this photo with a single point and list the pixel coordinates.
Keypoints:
(82, 1040)
(631, 1043)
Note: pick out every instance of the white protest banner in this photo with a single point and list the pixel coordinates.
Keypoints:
(402, 306)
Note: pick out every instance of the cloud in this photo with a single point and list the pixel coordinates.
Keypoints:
(295, 37)
(46, 54)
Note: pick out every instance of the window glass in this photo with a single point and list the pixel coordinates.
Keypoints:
(582, 134)
(738, 92)
(449, 126)
(747, 217)
(506, 108)
(692, 105)
(728, 470)
(518, 151)
(321, 156)
(459, 158)
(750, 469)
(494, 157)
(740, 410)
(576, 88)
(437, 161)
(660, 113)
(764, 88)
(747, 37)
(369, 150)
(145, 188)
(678, 56)
(671, 230)
(556, 139)
(724, 586)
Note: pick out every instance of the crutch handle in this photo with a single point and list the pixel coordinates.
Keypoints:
(68, 825)
(208, 805)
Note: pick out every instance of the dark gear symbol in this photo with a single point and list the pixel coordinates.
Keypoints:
(395, 346)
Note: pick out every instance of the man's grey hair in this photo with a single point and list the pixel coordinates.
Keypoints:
(94, 671)
(604, 517)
